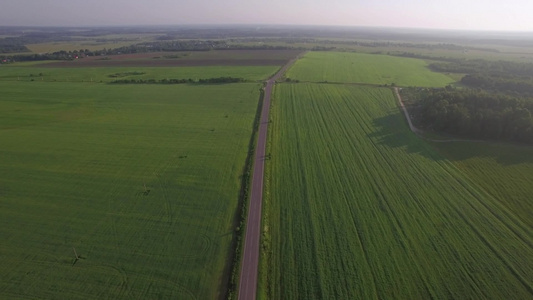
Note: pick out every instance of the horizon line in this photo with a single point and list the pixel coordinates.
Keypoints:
(215, 25)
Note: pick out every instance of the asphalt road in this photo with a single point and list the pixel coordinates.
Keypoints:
(250, 258)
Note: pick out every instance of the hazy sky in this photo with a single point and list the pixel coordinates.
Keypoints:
(446, 14)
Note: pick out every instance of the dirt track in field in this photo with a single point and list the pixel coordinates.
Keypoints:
(250, 258)
(419, 132)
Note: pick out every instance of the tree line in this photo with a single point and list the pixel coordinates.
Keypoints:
(496, 104)
(491, 68)
(474, 114)
(158, 46)
(511, 85)
(58, 55)
(497, 76)
(11, 45)
(217, 80)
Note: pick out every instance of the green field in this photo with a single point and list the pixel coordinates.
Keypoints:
(503, 170)
(358, 207)
(143, 181)
(29, 72)
(365, 68)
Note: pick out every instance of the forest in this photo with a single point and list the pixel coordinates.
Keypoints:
(12, 45)
(496, 76)
(475, 114)
(148, 47)
(495, 101)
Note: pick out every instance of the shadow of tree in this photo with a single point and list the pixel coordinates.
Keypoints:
(393, 131)
(505, 154)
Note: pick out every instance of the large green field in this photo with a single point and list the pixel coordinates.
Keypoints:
(503, 170)
(358, 207)
(29, 72)
(348, 67)
(142, 180)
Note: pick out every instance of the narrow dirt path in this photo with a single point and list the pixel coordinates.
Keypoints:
(413, 128)
(419, 132)
(250, 258)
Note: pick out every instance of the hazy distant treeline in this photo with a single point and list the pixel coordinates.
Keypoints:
(217, 80)
(159, 46)
(491, 68)
(499, 76)
(12, 45)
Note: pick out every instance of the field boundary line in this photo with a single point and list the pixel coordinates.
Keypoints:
(250, 257)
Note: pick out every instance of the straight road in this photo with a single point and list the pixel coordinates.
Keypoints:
(250, 258)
